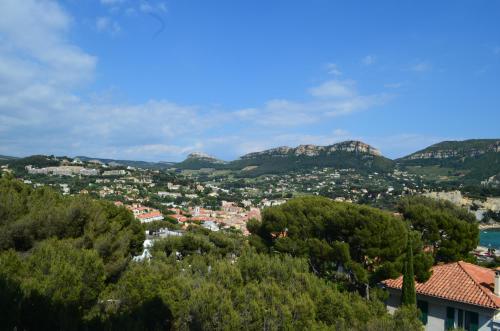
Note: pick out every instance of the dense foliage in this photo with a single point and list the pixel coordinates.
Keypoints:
(29, 216)
(469, 161)
(340, 239)
(271, 164)
(268, 164)
(451, 231)
(408, 293)
(65, 265)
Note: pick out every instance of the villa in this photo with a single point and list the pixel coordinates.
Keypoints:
(457, 295)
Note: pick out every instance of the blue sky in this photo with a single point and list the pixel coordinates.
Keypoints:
(156, 80)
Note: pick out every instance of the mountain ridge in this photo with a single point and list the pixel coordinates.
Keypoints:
(473, 158)
(314, 150)
(455, 148)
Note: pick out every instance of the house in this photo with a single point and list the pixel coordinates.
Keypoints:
(151, 216)
(457, 295)
(145, 214)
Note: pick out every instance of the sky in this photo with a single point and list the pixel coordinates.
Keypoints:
(157, 80)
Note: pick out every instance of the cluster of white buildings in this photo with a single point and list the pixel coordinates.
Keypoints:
(144, 214)
(63, 171)
(119, 172)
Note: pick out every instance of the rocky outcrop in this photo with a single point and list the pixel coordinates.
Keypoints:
(352, 146)
(436, 152)
(204, 157)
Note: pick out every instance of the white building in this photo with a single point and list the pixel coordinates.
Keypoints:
(457, 295)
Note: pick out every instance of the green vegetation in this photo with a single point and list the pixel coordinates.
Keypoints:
(65, 264)
(408, 295)
(467, 162)
(451, 231)
(342, 241)
(268, 164)
(37, 161)
(28, 217)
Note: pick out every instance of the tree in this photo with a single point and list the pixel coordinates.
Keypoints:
(29, 216)
(451, 231)
(408, 295)
(364, 242)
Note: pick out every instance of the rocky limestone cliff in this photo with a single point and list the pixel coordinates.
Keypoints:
(457, 150)
(313, 150)
(203, 157)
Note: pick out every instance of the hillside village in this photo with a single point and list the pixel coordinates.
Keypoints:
(221, 197)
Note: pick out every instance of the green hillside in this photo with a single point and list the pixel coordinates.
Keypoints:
(469, 161)
(269, 164)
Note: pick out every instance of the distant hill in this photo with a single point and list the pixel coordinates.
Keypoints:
(197, 161)
(458, 162)
(6, 159)
(131, 163)
(37, 161)
(472, 160)
(348, 154)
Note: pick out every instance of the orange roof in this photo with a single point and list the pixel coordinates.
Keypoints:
(458, 281)
(149, 215)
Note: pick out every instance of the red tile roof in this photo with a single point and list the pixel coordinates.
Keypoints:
(149, 215)
(459, 281)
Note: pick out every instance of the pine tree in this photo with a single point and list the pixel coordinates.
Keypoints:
(408, 296)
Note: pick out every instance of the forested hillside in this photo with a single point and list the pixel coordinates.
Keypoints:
(469, 162)
(66, 263)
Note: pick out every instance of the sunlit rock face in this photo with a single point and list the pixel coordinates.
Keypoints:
(313, 150)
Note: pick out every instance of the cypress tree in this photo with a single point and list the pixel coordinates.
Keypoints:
(408, 295)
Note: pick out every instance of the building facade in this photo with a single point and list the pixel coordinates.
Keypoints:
(457, 295)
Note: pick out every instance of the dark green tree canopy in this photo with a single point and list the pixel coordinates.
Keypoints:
(28, 216)
(65, 265)
(335, 234)
(451, 231)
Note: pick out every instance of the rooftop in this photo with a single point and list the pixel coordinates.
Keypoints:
(459, 281)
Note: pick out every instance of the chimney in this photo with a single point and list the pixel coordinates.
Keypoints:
(497, 282)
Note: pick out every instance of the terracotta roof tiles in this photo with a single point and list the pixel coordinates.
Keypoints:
(460, 281)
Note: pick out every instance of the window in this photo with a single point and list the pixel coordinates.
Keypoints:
(460, 318)
(467, 320)
(423, 306)
(450, 318)
(471, 321)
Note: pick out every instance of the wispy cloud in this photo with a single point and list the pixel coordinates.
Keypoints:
(330, 99)
(106, 24)
(112, 2)
(333, 69)
(393, 85)
(420, 66)
(43, 76)
(334, 89)
(150, 7)
(368, 60)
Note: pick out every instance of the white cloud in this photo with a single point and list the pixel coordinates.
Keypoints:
(159, 150)
(106, 24)
(112, 2)
(340, 132)
(334, 89)
(368, 60)
(393, 85)
(330, 99)
(33, 33)
(149, 7)
(43, 109)
(333, 69)
(420, 66)
(357, 103)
